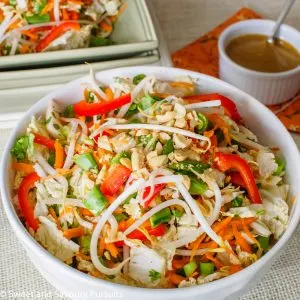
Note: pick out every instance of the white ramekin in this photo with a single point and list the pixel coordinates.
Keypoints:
(268, 88)
(79, 286)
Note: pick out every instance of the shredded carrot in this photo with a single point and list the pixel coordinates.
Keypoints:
(175, 278)
(247, 221)
(160, 95)
(217, 263)
(179, 263)
(33, 36)
(181, 84)
(101, 246)
(82, 118)
(196, 244)
(123, 225)
(14, 25)
(113, 250)
(73, 232)
(217, 227)
(105, 26)
(109, 94)
(59, 155)
(249, 234)
(110, 199)
(240, 240)
(102, 120)
(23, 167)
(65, 14)
(234, 269)
(24, 49)
(86, 212)
(54, 216)
(220, 123)
(47, 8)
(210, 245)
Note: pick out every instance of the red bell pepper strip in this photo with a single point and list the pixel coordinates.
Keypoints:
(55, 33)
(116, 176)
(227, 103)
(157, 189)
(42, 140)
(93, 109)
(225, 162)
(40, 29)
(23, 194)
(138, 235)
(237, 179)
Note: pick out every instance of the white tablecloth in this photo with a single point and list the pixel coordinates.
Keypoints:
(181, 22)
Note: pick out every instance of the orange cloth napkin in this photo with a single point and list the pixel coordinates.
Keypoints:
(202, 56)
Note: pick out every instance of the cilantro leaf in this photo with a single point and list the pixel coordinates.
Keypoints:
(22, 144)
(154, 275)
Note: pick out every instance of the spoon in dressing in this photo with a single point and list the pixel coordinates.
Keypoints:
(288, 4)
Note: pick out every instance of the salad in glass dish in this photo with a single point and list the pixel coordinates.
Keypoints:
(149, 183)
(39, 25)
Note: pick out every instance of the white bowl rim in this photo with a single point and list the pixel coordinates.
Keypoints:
(35, 247)
(266, 75)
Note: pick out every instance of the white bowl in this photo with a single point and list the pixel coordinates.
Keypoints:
(268, 88)
(78, 285)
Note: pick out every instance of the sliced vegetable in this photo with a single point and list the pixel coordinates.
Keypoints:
(23, 195)
(97, 41)
(237, 179)
(85, 242)
(132, 110)
(154, 275)
(93, 109)
(156, 191)
(59, 155)
(39, 5)
(69, 111)
(116, 176)
(43, 140)
(168, 147)
(160, 217)
(37, 19)
(264, 242)
(55, 33)
(19, 149)
(147, 102)
(280, 166)
(197, 187)
(120, 217)
(206, 268)
(95, 201)
(189, 166)
(23, 167)
(177, 213)
(139, 235)
(73, 233)
(226, 162)
(237, 202)
(51, 159)
(117, 158)
(85, 161)
(202, 123)
(190, 268)
(228, 104)
(138, 78)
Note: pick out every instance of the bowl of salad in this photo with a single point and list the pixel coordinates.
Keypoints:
(151, 181)
(43, 32)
